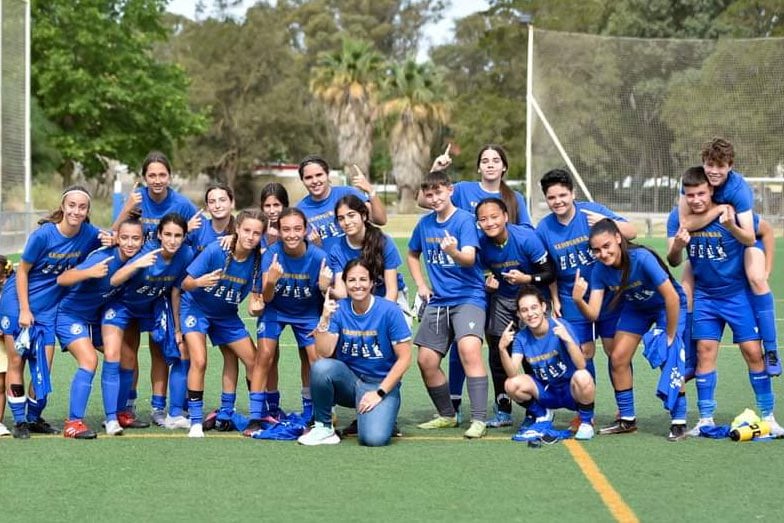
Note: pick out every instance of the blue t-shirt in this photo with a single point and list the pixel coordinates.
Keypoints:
(49, 254)
(365, 341)
(321, 214)
(199, 238)
(467, 196)
(717, 261)
(86, 299)
(568, 247)
(342, 253)
(548, 356)
(152, 212)
(297, 294)
(735, 191)
(222, 300)
(452, 284)
(521, 251)
(148, 284)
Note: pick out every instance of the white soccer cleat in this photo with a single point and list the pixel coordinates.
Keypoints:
(158, 417)
(320, 434)
(196, 431)
(776, 430)
(113, 428)
(4, 430)
(177, 422)
(584, 432)
(703, 422)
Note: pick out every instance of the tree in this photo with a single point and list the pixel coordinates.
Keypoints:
(96, 80)
(416, 105)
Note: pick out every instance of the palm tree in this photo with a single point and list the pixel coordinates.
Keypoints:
(347, 83)
(416, 105)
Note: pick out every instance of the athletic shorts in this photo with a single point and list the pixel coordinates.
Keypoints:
(712, 314)
(556, 396)
(71, 328)
(587, 331)
(302, 329)
(120, 316)
(639, 321)
(9, 325)
(500, 312)
(221, 331)
(440, 326)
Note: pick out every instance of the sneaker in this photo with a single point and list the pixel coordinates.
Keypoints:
(210, 420)
(776, 430)
(76, 429)
(158, 417)
(439, 422)
(678, 432)
(350, 430)
(703, 422)
(532, 431)
(196, 431)
(320, 434)
(253, 426)
(113, 428)
(772, 363)
(41, 426)
(584, 432)
(621, 426)
(21, 431)
(500, 419)
(4, 431)
(128, 420)
(177, 422)
(476, 430)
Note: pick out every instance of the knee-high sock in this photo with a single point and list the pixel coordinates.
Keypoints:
(763, 392)
(196, 406)
(477, 393)
(126, 382)
(706, 393)
(110, 388)
(81, 386)
(765, 312)
(178, 387)
(456, 376)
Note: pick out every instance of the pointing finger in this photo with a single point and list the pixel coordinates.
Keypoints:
(577, 275)
(156, 251)
(448, 148)
(107, 260)
(510, 327)
(274, 258)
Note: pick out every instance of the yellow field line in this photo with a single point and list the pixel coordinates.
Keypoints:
(611, 498)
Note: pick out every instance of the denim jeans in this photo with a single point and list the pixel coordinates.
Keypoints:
(333, 383)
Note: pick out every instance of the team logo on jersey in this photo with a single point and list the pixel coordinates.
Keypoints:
(76, 329)
(260, 329)
(190, 321)
(471, 325)
(110, 314)
(5, 323)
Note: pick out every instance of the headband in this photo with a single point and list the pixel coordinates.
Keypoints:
(77, 191)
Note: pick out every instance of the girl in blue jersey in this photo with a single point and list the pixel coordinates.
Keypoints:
(31, 295)
(78, 328)
(272, 200)
(295, 276)
(514, 255)
(217, 282)
(557, 377)
(649, 295)
(219, 202)
(154, 274)
(365, 348)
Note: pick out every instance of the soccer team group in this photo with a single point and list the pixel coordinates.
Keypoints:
(539, 296)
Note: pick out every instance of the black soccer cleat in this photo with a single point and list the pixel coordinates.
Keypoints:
(21, 431)
(772, 363)
(41, 426)
(678, 432)
(621, 426)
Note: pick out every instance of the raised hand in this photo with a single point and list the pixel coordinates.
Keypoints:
(314, 237)
(100, 269)
(507, 337)
(275, 270)
(195, 221)
(491, 283)
(108, 238)
(727, 216)
(135, 198)
(449, 243)
(330, 306)
(149, 259)
(443, 161)
(255, 305)
(580, 286)
(325, 275)
(514, 277)
(681, 239)
(360, 181)
(210, 279)
(592, 216)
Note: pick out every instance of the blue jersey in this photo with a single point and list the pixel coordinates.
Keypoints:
(717, 261)
(148, 284)
(152, 212)
(342, 253)
(365, 341)
(321, 214)
(645, 276)
(86, 299)
(467, 196)
(199, 238)
(521, 251)
(673, 222)
(568, 247)
(548, 356)
(223, 299)
(452, 284)
(297, 294)
(49, 254)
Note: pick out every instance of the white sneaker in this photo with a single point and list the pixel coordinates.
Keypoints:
(584, 432)
(4, 430)
(113, 428)
(196, 431)
(176, 422)
(320, 434)
(776, 430)
(703, 422)
(158, 417)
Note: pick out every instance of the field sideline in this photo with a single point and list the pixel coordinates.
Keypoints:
(161, 475)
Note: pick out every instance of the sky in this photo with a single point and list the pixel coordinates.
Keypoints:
(435, 34)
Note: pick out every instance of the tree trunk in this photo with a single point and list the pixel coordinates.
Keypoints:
(406, 202)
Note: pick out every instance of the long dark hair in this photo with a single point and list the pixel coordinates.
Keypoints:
(278, 190)
(175, 218)
(229, 192)
(374, 241)
(56, 216)
(606, 225)
(155, 157)
(507, 194)
(357, 262)
(243, 215)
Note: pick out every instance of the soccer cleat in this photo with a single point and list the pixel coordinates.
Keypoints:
(621, 426)
(776, 430)
(158, 417)
(41, 426)
(4, 430)
(772, 363)
(439, 422)
(396, 432)
(584, 432)
(500, 419)
(320, 434)
(350, 430)
(532, 431)
(476, 430)
(21, 431)
(678, 432)
(128, 420)
(113, 428)
(703, 422)
(253, 426)
(76, 429)
(177, 422)
(196, 431)
(210, 420)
